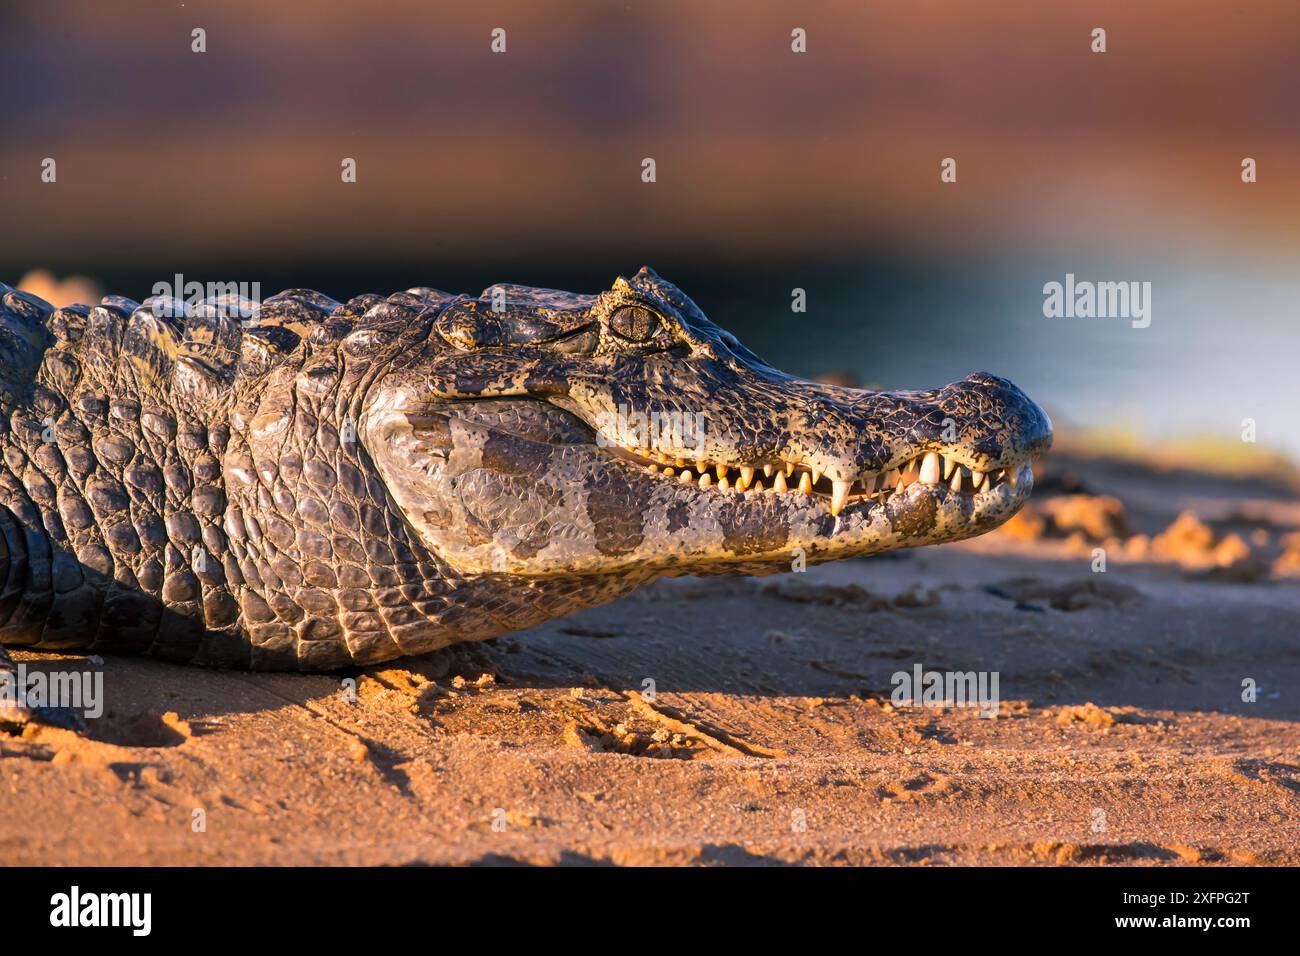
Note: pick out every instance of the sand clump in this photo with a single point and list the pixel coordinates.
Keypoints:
(61, 292)
(851, 595)
(1089, 715)
(1191, 542)
(1097, 517)
(1032, 593)
(1196, 547)
(1083, 522)
(1287, 564)
(1081, 519)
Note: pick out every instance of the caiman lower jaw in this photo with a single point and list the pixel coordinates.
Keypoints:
(763, 532)
(948, 472)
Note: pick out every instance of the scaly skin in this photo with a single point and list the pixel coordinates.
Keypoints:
(331, 484)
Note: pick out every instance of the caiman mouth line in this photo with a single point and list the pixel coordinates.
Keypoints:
(949, 469)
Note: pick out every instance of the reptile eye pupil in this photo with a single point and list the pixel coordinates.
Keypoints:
(634, 323)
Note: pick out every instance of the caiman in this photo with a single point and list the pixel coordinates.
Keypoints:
(324, 485)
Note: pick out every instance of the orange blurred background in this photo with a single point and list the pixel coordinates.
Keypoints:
(235, 153)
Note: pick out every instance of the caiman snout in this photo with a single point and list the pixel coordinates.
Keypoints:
(1003, 422)
(845, 444)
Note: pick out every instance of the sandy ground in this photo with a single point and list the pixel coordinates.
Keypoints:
(1121, 736)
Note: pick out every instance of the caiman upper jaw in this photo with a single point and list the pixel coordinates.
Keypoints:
(849, 445)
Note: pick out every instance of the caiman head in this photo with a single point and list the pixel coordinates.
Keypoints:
(538, 433)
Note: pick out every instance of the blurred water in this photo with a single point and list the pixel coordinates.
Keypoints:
(1221, 347)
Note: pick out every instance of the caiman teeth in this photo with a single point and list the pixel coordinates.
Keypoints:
(929, 468)
(839, 495)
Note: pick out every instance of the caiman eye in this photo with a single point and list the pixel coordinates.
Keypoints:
(634, 323)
